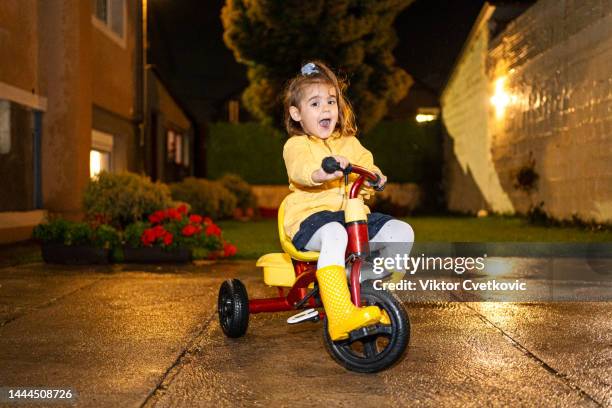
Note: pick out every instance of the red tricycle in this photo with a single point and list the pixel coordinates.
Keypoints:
(368, 349)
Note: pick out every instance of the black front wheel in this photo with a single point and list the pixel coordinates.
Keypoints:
(374, 348)
(233, 308)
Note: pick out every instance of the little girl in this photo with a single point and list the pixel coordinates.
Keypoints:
(321, 123)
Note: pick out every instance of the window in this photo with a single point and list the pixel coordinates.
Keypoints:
(177, 148)
(101, 152)
(109, 16)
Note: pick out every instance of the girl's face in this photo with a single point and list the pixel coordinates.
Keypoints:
(318, 110)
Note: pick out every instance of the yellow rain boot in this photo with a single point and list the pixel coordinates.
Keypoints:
(342, 315)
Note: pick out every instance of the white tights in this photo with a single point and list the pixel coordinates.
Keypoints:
(331, 239)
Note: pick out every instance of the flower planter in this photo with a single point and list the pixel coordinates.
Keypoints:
(74, 255)
(155, 255)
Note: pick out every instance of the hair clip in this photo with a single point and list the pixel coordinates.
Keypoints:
(309, 69)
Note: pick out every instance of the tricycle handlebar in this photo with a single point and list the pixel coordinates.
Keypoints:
(331, 165)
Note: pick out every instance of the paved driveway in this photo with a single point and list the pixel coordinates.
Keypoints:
(135, 336)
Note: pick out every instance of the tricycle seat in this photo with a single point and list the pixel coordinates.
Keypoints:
(287, 245)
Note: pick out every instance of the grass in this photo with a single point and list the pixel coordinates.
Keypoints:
(256, 238)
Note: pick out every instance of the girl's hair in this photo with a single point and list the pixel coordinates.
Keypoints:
(312, 73)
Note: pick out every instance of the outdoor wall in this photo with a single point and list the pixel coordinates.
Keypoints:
(65, 47)
(556, 60)
(19, 44)
(163, 102)
(164, 113)
(471, 180)
(115, 61)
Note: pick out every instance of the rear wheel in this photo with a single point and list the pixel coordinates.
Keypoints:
(233, 308)
(373, 348)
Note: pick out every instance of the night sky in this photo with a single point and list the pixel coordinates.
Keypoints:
(187, 48)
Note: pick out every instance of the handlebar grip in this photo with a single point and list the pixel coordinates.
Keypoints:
(375, 185)
(330, 165)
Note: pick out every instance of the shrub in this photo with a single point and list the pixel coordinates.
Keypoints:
(106, 237)
(205, 197)
(241, 189)
(51, 232)
(133, 233)
(121, 199)
(72, 233)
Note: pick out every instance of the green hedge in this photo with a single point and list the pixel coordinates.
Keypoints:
(405, 151)
(252, 151)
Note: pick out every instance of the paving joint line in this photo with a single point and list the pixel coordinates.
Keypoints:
(563, 377)
(176, 367)
(46, 304)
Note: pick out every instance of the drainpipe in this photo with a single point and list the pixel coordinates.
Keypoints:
(139, 80)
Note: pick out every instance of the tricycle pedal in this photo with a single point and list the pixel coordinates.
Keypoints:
(308, 315)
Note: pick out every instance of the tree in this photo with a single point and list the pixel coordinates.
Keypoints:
(356, 37)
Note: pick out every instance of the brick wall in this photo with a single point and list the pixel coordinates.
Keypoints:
(556, 59)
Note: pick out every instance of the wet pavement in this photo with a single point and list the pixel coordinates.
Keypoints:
(132, 336)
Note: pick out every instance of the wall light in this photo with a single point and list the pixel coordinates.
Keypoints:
(500, 99)
(425, 118)
(427, 114)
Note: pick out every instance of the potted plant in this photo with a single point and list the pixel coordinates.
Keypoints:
(69, 242)
(172, 235)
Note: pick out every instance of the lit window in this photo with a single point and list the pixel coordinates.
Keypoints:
(170, 145)
(101, 152)
(111, 14)
(177, 148)
(98, 161)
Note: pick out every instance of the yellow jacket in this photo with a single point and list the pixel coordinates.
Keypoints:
(303, 155)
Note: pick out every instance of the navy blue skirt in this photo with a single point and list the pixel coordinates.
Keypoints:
(315, 221)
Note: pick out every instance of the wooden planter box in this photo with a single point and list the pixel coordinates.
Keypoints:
(74, 255)
(155, 255)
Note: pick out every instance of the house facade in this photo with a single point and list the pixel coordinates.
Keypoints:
(73, 103)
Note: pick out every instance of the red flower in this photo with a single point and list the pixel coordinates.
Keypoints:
(189, 230)
(168, 238)
(213, 229)
(229, 250)
(173, 214)
(158, 231)
(157, 217)
(207, 221)
(182, 209)
(195, 219)
(148, 237)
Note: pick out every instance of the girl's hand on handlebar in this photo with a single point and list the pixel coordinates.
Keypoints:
(320, 176)
(381, 182)
(383, 179)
